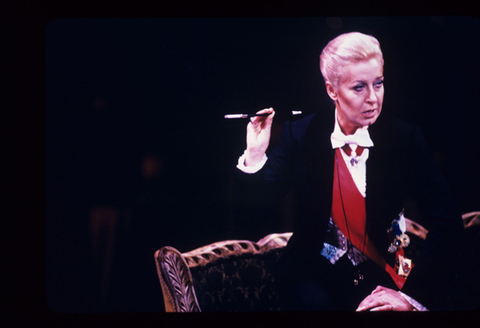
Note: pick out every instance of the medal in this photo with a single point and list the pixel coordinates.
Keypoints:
(353, 160)
(404, 266)
(392, 249)
(397, 234)
(397, 237)
(400, 240)
(405, 240)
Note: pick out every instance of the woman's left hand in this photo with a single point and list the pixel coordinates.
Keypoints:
(385, 299)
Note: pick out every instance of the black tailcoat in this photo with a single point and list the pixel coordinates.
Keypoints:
(400, 168)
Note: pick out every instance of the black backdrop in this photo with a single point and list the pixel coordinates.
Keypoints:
(122, 93)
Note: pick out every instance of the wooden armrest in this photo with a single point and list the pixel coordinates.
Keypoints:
(471, 219)
(176, 281)
(415, 228)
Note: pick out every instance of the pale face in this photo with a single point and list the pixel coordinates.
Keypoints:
(359, 95)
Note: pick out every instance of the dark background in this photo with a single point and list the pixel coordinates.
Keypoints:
(139, 155)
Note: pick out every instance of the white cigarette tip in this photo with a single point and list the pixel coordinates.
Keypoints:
(296, 112)
(230, 116)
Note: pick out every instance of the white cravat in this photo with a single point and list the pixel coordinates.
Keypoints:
(361, 137)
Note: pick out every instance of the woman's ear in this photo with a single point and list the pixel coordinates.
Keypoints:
(332, 92)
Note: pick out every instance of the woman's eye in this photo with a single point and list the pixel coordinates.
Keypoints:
(358, 87)
(378, 84)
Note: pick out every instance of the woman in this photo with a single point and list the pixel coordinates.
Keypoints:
(340, 256)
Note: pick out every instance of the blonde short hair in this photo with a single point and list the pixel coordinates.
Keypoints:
(344, 49)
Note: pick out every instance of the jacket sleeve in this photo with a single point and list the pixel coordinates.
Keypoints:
(257, 197)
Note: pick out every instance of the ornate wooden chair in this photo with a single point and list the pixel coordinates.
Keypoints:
(237, 275)
(232, 275)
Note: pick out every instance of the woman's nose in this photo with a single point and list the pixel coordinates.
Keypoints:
(372, 96)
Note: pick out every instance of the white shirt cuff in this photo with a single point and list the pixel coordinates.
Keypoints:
(415, 304)
(251, 169)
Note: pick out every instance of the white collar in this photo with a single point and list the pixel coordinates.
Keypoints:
(361, 137)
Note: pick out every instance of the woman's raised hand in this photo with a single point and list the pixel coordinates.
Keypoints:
(258, 136)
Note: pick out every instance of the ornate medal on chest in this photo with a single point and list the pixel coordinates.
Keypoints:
(400, 240)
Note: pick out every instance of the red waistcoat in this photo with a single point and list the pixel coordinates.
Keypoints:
(349, 214)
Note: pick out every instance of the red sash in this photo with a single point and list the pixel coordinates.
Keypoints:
(349, 214)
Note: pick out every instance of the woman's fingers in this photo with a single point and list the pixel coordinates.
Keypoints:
(262, 121)
(384, 299)
(370, 303)
(265, 110)
(260, 125)
(258, 136)
(378, 289)
(382, 308)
